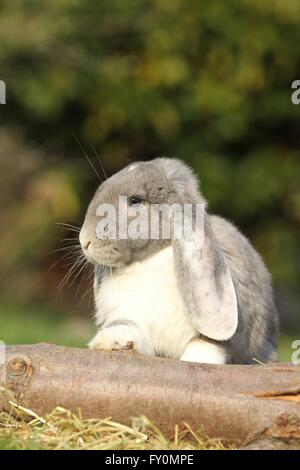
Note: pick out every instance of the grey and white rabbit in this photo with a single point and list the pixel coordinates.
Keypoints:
(163, 298)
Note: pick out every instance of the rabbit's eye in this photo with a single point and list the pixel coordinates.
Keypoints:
(135, 201)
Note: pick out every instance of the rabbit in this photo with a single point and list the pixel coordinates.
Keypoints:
(171, 297)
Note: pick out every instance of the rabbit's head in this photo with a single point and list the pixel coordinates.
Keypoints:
(117, 226)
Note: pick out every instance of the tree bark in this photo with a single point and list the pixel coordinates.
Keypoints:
(241, 404)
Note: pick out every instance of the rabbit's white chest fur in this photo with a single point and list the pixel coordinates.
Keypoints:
(146, 293)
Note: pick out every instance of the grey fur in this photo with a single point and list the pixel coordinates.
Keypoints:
(206, 286)
(229, 258)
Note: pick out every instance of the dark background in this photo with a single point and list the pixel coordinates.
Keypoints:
(208, 82)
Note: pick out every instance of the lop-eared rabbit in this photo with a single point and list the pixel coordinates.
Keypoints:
(209, 302)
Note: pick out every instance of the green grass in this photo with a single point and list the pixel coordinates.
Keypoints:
(285, 346)
(35, 324)
(64, 430)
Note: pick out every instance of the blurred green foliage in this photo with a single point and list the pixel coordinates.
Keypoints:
(39, 323)
(209, 82)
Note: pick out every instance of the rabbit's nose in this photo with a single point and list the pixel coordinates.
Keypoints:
(84, 239)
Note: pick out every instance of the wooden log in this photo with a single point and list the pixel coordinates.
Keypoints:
(232, 402)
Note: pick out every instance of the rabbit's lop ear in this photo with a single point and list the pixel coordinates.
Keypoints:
(205, 284)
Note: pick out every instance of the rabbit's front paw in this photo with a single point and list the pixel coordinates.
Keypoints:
(112, 339)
